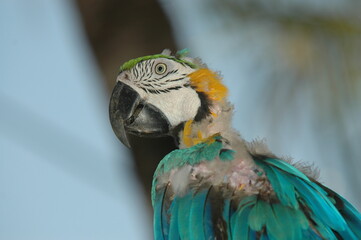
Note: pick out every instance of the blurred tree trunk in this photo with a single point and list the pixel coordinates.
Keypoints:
(119, 31)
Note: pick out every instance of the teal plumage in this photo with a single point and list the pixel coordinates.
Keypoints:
(318, 212)
(190, 156)
(185, 204)
(217, 185)
(174, 220)
(196, 218)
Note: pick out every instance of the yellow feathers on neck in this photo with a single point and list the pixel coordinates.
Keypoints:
(208, 82)
(187, 135)
(190, 140)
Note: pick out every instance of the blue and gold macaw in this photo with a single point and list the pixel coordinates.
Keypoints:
(217, 185)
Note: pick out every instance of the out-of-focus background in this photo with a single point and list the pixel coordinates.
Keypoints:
(293, 69)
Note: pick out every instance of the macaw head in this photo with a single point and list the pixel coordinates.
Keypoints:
(155, 95)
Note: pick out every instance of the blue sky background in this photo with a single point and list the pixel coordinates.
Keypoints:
(63, 173)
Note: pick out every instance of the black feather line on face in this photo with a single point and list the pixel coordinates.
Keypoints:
(203, 110)
(159, 91)
(136, 73)
(175, 80)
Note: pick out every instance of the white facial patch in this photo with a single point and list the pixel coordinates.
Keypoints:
(178, 105)
(164, 83)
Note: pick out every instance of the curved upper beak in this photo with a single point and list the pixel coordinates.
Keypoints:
(130, 114)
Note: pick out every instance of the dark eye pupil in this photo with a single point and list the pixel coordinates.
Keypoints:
(160, 68)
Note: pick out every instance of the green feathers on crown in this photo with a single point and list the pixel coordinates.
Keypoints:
(178, 58)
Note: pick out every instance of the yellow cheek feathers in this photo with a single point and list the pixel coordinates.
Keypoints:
(208, 82)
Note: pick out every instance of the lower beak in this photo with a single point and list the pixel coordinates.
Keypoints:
(129, 114)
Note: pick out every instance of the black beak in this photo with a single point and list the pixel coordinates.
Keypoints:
(129, 114)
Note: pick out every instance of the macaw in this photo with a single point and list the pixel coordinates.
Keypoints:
(216, 185)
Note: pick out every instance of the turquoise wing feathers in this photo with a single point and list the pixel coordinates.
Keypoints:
(298, 208)
(217, 185)
(321, 213)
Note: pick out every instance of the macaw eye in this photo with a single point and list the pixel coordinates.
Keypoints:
(160, 68)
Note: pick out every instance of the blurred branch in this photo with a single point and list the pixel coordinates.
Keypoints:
(119, 31)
